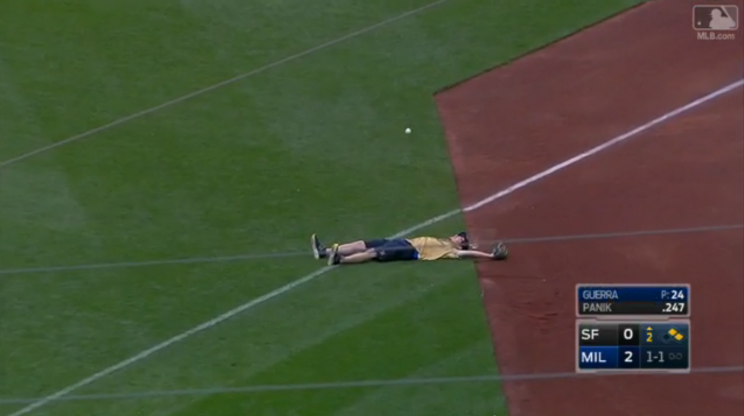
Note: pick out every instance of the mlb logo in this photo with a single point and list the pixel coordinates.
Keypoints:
(715, 17)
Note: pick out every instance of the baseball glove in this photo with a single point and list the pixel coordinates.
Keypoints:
(499, 251)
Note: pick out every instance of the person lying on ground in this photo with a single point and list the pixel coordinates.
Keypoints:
(400, 249)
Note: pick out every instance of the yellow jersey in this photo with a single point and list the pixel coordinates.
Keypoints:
(430, 248)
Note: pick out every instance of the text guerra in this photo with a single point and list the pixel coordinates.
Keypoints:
(603, 294)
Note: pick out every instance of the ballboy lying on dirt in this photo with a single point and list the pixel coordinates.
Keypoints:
(400, 249)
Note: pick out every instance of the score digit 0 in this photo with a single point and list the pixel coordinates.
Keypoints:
(628, 334)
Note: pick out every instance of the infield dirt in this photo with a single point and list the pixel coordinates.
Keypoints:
(519, 119)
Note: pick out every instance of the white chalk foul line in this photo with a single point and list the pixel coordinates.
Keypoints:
(219, 85)
(605, 145)
(284, 289)
(201, 392)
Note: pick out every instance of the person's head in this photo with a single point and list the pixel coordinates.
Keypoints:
(715, 13)
(461, 240)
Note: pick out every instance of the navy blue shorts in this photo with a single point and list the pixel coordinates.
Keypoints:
(393, 249)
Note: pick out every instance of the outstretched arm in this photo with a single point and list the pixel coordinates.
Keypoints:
(499, 252)
(474, 254)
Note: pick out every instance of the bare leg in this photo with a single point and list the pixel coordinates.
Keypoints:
(356, 258)
(334, 257)
(349, 249)
(320, 251)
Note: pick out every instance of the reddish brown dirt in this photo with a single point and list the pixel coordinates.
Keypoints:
(518, 120)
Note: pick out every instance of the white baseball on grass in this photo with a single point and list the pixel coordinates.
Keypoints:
(408, 130)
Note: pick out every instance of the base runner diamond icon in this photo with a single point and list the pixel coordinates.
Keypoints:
(715, 17)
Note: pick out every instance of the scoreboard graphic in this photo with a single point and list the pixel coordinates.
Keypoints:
(633, 328)
(633, 346)
(633, 300)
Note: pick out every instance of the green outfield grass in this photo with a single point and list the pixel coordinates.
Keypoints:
(313, 144)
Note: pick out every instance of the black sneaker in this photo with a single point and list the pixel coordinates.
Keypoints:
(319, 250)
(334, 258)
(500, 252)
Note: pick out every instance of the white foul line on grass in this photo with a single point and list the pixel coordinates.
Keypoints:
(349, 384)
(284, 289)
(219, 85)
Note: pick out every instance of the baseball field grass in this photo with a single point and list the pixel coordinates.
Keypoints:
(308, 139)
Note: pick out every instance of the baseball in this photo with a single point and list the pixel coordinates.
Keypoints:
(408, 131)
